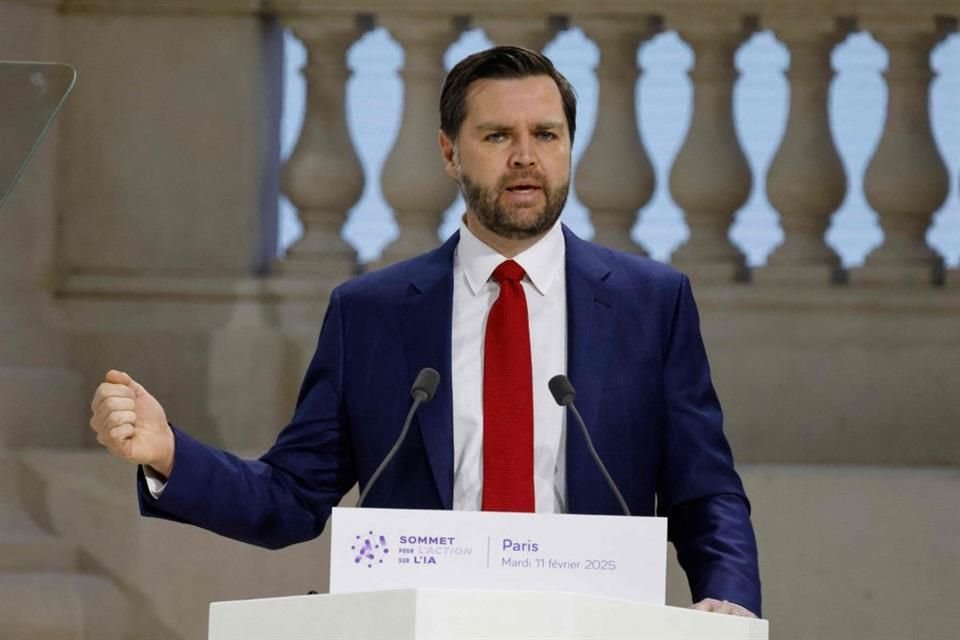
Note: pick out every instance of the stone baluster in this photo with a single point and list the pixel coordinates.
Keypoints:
(806, 181)
(323, 177)
(906, 180)
(614, 177)
(414, 182)
(532, 34)
(710, 179)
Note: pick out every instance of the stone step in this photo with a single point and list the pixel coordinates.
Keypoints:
(61, 606)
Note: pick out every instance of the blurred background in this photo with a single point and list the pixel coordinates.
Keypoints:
(222, 165)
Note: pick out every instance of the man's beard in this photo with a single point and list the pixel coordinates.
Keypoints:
(502, 220)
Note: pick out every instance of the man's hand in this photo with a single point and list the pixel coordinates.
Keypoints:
(723, 606)
(131, 424)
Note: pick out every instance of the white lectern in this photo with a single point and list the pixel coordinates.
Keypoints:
(421, 614)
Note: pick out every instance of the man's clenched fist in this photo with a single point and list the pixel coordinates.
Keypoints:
(131, 424)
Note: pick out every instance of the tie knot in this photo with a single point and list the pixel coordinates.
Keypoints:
(508, 270)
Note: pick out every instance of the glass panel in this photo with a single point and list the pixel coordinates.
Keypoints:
(30, 96)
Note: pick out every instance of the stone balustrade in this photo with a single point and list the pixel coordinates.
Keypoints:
(906, 181)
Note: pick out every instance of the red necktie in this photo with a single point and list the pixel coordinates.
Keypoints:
(508, 398)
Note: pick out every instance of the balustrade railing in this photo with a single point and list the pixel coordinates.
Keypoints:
(710, 179)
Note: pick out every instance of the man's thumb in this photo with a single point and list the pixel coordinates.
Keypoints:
(119, 377)
(137, 388)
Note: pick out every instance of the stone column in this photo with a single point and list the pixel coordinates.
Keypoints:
(906, 180)
(614, 177)
(323, 176)
(806, 182)
(710, 179)
(414, 182)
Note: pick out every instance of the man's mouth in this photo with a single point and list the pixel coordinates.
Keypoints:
(523, 188)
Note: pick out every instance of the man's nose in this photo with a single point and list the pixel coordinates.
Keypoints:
(523, 156)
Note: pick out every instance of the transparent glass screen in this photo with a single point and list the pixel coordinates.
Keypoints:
(31, 93)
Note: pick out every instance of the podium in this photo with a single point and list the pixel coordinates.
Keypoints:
(423, 614)
(476, 581)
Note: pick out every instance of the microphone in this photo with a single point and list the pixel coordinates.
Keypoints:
(423, 390)
(563, 393)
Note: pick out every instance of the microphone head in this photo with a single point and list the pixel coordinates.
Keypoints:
(562, 390)
(426, 384)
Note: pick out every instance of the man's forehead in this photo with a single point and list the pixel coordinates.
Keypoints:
(493, 97)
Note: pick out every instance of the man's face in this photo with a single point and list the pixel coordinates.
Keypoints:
(512, 155)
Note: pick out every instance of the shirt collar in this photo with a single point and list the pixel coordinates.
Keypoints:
(543, 262)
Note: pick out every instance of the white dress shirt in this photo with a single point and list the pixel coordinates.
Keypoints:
(474, 293)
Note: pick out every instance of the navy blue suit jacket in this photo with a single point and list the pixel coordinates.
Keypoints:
(635, 357)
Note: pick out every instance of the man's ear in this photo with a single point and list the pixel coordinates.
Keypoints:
(448, 153)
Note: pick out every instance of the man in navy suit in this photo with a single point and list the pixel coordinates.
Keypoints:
(624, 328)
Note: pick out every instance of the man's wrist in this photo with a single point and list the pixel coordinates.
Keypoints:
(164, 466)
(159, 472)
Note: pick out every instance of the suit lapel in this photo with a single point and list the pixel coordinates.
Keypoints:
(590, 316)
(426, 316)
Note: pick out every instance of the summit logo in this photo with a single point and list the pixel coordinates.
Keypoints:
(369, 549)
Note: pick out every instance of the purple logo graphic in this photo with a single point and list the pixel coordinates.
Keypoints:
(369, 549)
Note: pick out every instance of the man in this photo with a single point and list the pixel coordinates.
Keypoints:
(508, 302)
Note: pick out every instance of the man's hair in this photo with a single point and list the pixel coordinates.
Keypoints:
(502, 63)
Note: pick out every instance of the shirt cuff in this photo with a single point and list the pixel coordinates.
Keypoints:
(155, 482)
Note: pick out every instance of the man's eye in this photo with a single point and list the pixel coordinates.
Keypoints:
(496, 137)
(547, 135)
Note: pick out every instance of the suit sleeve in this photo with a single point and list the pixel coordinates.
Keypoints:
(287, 495)
(699, 490)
